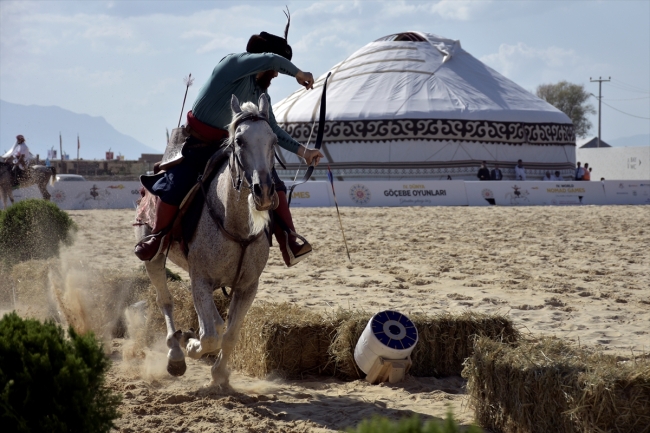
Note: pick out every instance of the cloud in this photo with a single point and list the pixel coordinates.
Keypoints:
(454, 10)
(219, 42)
(511, 60)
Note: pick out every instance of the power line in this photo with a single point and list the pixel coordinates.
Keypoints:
(627, 89)
(619, 82)
(614, 108)
(629, 99)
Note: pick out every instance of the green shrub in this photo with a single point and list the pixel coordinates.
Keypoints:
(410, 425)
(50, 383)
(33, 229)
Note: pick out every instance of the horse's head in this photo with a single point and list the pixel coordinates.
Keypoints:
(253, 141)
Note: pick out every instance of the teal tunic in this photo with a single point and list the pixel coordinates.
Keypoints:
(235, 75)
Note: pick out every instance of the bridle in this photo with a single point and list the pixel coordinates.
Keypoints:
(235, 161)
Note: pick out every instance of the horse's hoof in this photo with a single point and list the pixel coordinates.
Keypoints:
(185, 337)
(176, 368)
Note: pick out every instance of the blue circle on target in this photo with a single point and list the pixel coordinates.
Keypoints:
(394, 330)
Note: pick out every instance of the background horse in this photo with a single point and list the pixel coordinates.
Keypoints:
(38, 175)
(228, 248)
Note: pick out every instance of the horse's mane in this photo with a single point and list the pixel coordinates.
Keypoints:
(246, 109)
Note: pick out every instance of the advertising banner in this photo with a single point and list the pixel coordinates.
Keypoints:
(311, 194)
(87, 194)
(625, 192)
(401, 193)
(534, 193)
(124, 195)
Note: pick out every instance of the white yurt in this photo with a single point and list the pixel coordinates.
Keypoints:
(417, 106)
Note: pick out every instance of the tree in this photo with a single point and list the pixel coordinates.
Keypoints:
(571, 99)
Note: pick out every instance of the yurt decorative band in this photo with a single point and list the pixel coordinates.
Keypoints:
(513, 133)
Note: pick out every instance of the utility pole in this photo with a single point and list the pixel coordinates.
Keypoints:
(600, 88)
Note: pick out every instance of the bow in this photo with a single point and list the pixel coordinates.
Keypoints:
(319, 140)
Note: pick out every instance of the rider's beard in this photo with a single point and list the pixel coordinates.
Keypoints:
(264, 81)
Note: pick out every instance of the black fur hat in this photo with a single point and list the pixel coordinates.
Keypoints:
(268, 43)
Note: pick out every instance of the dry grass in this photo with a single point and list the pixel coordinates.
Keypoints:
(549, 385)
(291, 341)
(445, 341)
(286, 340)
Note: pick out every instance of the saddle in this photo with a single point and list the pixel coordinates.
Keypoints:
(189, 211)
(17, 174)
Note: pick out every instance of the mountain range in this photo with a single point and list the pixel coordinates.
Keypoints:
(41, 127)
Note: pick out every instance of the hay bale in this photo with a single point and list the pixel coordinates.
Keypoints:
(445, 341)
(549, 385)
(293, 341)
(284, 339)
(185, 316)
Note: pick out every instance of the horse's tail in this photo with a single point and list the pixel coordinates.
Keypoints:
(53, 177)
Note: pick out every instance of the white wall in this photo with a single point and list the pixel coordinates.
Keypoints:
(615, 163)
(124, 195)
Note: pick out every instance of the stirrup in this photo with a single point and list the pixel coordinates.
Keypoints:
(294, 260)
(161, 245)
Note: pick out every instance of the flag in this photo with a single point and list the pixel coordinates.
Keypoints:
(78, 143)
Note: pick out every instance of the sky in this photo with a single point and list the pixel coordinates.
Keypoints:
(126, 60)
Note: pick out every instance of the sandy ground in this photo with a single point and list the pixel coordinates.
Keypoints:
(580, 273)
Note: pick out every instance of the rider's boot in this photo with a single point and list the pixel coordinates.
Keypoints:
(292, 251)
(149, 246)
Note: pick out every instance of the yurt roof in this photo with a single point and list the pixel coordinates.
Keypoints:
(417, 75)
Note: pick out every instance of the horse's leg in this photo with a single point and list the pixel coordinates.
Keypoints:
(4, 196)
(239, 305)
(210, 322)
(175, 358)
(42, 186)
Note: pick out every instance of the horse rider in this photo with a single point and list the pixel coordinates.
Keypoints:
(246, 75)
(18, 155)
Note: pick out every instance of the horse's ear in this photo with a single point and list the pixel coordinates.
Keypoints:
(234, 105)
(264, 105)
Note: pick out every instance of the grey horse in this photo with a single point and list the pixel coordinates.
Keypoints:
(38, 175)
(217, 258)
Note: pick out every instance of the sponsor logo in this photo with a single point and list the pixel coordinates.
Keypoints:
(632, 185)
(58, 196)
(300, 194)
(360, 194)
(94, 192)
(487, 193)
(116, 186)
(414, 193)
(564, 190)
(517, 196)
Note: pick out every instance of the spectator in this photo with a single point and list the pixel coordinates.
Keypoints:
(547, 176)
(496, 174)
(556, 177)
(449, 177)
(587, 174)
(520, 171)
(580, 172)
(483, 172)
(19, 153)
